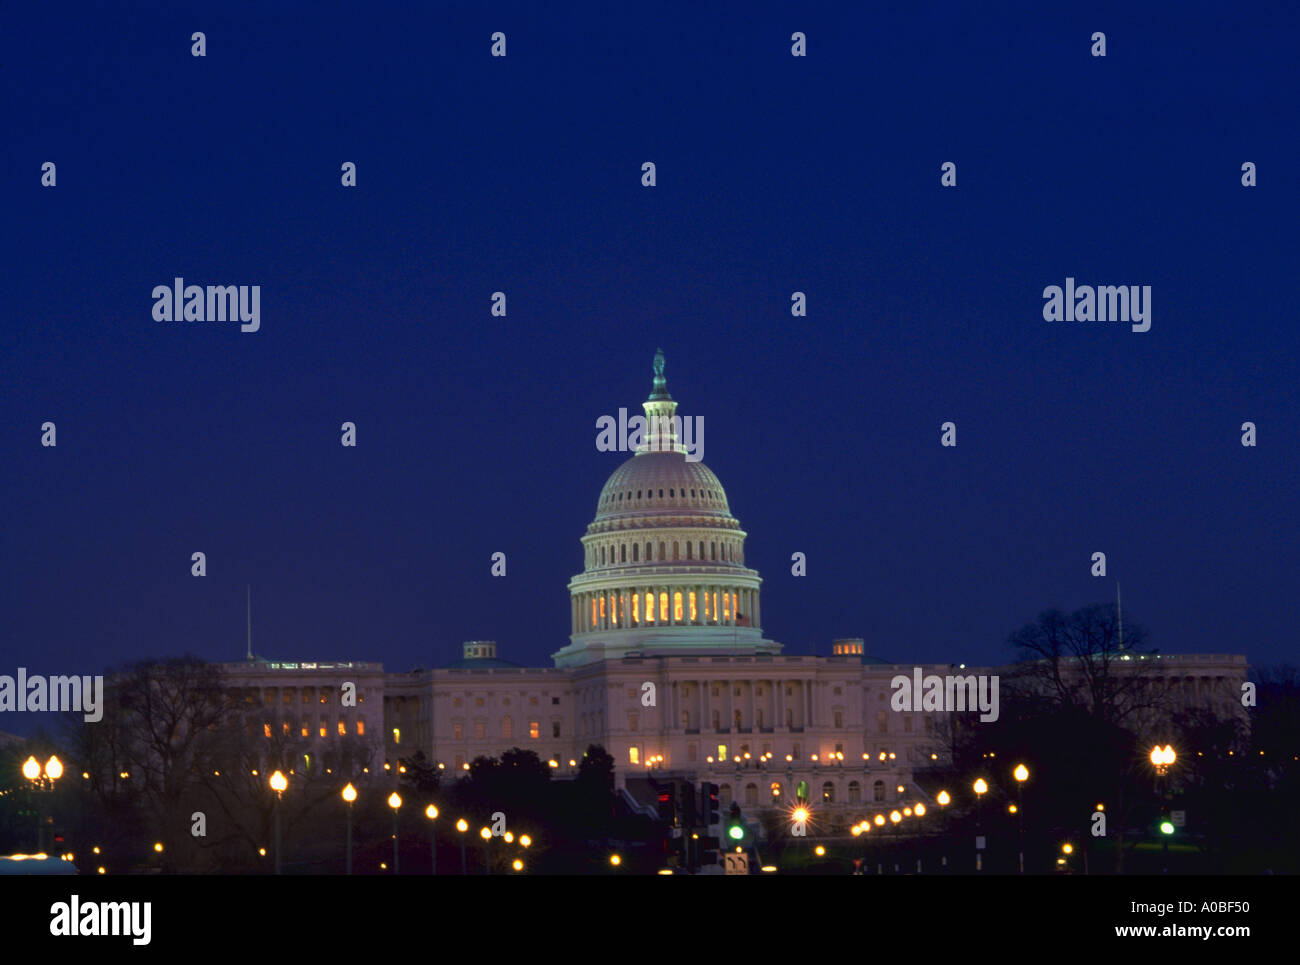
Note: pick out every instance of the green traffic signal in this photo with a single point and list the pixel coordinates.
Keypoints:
(735, 832)
(1166, 827)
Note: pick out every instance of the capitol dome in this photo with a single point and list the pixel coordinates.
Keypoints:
(664, 558)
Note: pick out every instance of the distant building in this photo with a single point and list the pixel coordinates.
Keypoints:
(668, 668)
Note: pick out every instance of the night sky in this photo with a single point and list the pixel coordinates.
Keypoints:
(775, 174)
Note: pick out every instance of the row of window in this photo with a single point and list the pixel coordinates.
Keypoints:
(760, 721)
(716, 606)
(692, 754)
(322, 728)
(776, 792)
(708, 495)
(286, 695)
(478, 701)
(727, 551)
(507, 729)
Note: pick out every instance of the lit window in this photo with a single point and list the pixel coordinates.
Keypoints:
(677, 607)
(266, 729)
(722, 752)
(602, 606)
(397, 735)
(322, 730)
(534, 729)
(593, 612)
(726, 606)
(306, 729)
(649, 608)
(361, 728)
(663, 607)
(343, 729)
(284, 728)
(636, 608)
(693, 618)
(634, 755)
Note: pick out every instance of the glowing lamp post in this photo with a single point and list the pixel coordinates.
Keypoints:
(462, 826)
(279, 784)
(395, 802)
(1162, 758)
(42, 782)
(349, 796)
(1021, 774)
(431, 812)
(980, 787)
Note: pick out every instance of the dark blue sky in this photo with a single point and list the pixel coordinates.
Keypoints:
(775, 174)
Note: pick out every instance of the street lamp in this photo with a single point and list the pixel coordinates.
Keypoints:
(395, 802)
(279, 784)
(1021, 774)
(486, 835)
(431, 812)
(980, 787)
(462, 826)
(349, 795)
(1163, 758)
(45, 782)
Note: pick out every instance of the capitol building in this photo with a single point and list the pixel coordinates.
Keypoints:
(667, 666)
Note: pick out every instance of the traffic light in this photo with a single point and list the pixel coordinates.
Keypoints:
(712, 807)
(686, 805)
(709, 845)
(1166, 822)
(667, 805)
(735, 825)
